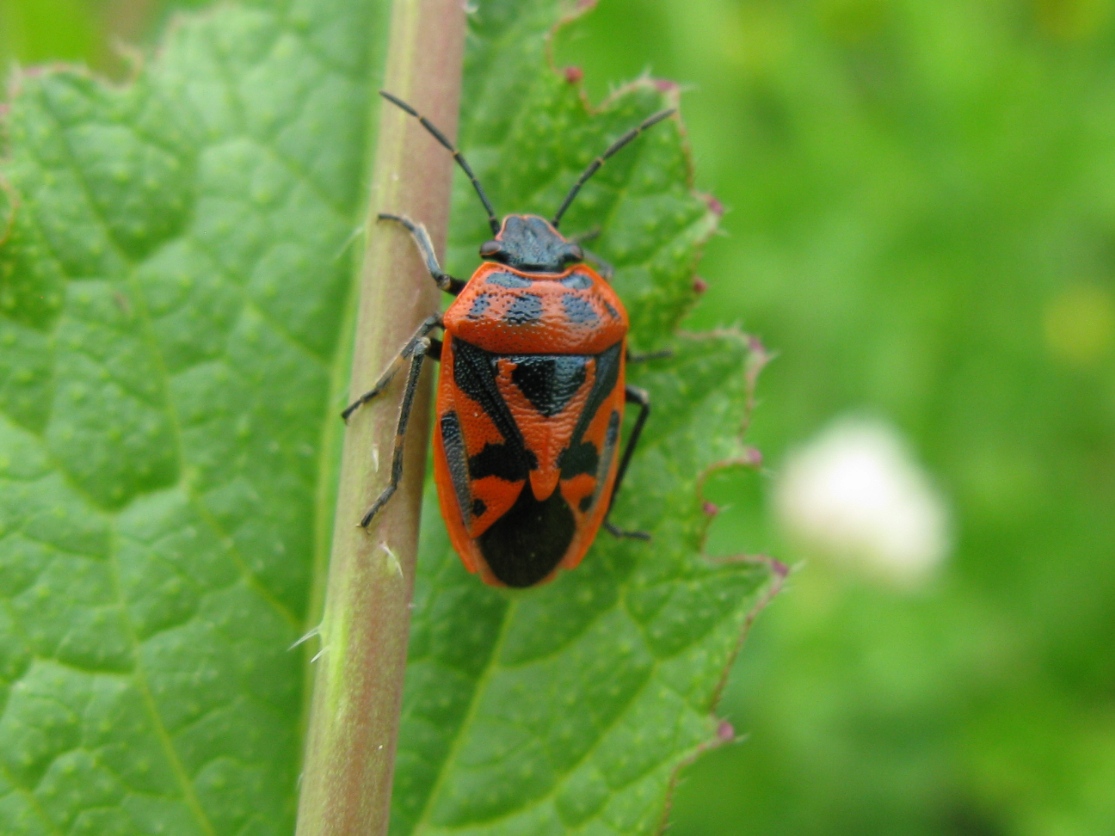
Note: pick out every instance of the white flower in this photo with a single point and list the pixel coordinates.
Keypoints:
(855, 496)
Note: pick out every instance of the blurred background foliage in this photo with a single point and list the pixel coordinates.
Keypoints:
(920, 220)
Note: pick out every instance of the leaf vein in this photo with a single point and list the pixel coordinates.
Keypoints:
(32, 799)
(470, 713)
(140, 680)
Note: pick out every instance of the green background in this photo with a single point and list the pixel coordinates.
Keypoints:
(921, 221)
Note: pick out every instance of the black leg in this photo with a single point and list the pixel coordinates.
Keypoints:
(428, 324)
(426, 247)
(605, 268)
(632, 394)
(664, 354)
(418, 354)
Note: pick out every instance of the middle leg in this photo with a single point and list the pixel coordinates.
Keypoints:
(418, 353)
(428, 325)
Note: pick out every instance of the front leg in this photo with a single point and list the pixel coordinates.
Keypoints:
(421, 237)
(605, 268)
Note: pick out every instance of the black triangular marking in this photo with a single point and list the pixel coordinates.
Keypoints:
(549, 382)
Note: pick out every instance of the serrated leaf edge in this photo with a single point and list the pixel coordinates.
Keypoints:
(664, 88)
(757, 359)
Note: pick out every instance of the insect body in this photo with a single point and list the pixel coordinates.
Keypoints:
(531, 395)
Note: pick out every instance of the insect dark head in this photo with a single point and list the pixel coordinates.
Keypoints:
(531, 244)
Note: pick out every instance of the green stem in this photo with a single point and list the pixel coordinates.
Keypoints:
(354, 718)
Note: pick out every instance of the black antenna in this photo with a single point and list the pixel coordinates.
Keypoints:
(457, 155)
(594, 166)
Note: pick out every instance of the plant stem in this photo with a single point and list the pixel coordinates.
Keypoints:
(350, 749)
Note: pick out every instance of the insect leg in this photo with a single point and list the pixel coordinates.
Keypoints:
(444, 281)
(418, 354)
(605, 267)
(632, 394)
(664, 354)
(428, 324)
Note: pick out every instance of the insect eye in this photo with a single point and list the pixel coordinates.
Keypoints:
(575, 253)
(490, 248)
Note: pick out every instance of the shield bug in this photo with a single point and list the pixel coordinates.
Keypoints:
(531, 394)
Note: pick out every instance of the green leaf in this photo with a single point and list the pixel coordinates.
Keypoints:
(569, 708)
(174, 292)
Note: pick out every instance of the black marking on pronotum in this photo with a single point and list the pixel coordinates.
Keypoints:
(579, 310)
(612, 312)
(480, 306)
(549, 382)
(508, 280)
(526, 308)
(578, 281)
(528, 542)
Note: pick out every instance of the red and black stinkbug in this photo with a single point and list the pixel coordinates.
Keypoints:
(531, 394)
